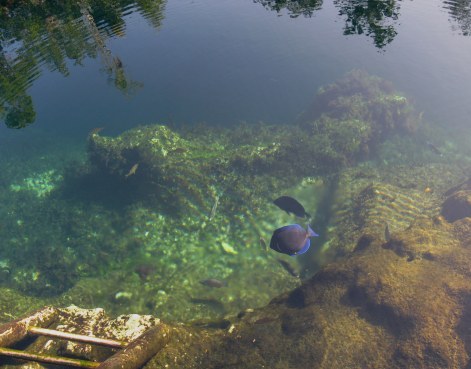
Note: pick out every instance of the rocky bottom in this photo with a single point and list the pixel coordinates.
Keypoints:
(404, 302)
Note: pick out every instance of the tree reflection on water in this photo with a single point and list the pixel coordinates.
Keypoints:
(49, 35)
(460, 13)
(374, 18)
(294, 8)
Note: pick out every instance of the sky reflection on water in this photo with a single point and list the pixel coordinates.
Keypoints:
(229, 61)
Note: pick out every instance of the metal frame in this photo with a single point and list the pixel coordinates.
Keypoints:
(131, 356)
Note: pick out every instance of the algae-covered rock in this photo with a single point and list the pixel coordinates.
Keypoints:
(187, 171)
(398, 303)
(366, 98)
(378, 308)
(155, 210)
(365, 199)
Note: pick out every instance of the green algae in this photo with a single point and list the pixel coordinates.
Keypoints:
(366, 98)
(378, 307)
(41, 184)
(248, 163)
(86, 241)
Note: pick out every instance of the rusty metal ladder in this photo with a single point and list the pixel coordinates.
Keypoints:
(131, 355)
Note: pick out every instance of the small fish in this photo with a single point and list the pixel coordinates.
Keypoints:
(214, 283)
(263, 244)
(292, 206)
(292, 239)
(117, 62)
(132, 171)
(288, 267)
(434, 148)
(214, 324)
(179, 150)
(144, 271)
(387, 233)
(213, 304)
(213, 209)
(265, 320)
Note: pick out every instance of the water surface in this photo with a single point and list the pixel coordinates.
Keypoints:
(229, 61)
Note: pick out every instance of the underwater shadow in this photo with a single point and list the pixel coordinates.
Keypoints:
(464, 327)
(113, 192)
(377, 314)
(321, 220)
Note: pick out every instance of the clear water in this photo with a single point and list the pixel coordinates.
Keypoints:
(224, 62)
(182, 63)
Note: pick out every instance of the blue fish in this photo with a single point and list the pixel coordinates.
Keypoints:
(292, 239)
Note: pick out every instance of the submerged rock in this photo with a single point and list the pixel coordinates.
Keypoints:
(404, 303)
(186, 171)
(378, 308)
(166, 236)
(367, 98)
(401, 303)
(457, 206)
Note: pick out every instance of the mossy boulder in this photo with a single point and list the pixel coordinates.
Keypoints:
(366, 98)
(179, 171)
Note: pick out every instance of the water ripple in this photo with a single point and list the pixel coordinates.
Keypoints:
(460, 13)
(35, 38)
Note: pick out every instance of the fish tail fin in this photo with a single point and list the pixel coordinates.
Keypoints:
(310, 232)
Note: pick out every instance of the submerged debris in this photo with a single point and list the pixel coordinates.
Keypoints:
(213, 209)
(387, 234)
(434, 148)
(228, 248)
(263, 244)
(288, 267)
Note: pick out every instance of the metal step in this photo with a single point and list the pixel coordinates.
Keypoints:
(132, 355)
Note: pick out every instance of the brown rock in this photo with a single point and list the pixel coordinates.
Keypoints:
(380, 308)
(405, 303)
(457, 206)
